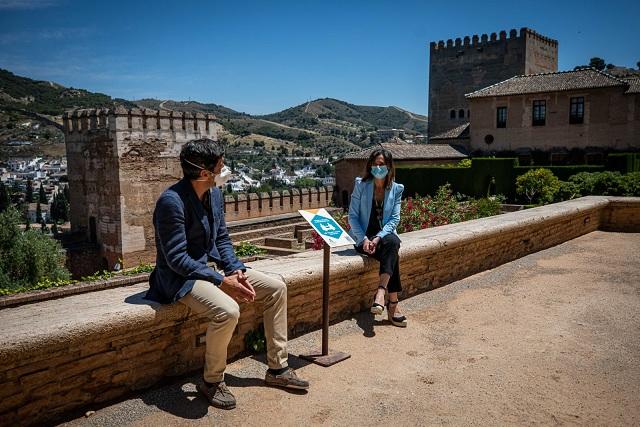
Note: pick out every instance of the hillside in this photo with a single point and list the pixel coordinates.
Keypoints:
(30, 112)
(47, 97)
(327, 112)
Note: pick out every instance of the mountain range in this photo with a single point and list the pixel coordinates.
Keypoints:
(325, 127)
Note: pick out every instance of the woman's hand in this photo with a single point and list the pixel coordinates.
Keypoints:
(369, 246)
(373, 244)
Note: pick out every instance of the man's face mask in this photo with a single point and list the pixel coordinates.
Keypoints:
(219, 180)
(379, 172)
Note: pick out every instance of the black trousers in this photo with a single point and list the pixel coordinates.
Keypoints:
(387, 253)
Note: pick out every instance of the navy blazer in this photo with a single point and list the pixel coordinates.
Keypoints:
(185, 242)
(360, 209)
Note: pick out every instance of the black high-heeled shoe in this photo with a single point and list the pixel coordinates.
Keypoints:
(399, 321)
(375, 307)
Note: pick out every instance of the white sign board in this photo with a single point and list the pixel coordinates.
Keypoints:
(327, 227)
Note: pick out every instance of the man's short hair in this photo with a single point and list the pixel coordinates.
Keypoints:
(203, 152)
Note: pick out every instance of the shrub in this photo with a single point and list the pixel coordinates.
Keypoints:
(632, 184)
(538, 186)
(27, 258)
(568, 190)
(599, 183)
(445, 208)
(245, 249)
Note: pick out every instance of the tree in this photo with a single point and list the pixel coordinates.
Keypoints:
(538, 185)
(38, 212)
(59, 210)
(28, 195)
(638, 64)
(597, 63)
(305, 182)
(5, 200)
(42, 197)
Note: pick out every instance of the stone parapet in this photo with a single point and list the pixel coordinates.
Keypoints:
(254, 205)
(71, 353)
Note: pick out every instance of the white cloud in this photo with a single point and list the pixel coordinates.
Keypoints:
(53, 34)
(26, 4)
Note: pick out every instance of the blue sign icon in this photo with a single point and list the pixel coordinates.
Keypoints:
(326, 226)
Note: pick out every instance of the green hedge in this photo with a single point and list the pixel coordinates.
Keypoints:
(624, 162)
(474, 181)
(426, 180)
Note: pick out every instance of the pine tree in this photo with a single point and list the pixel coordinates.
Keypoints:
(38, 212)
(29, 192)
(5, 200)
(53, 212)
(42, 196)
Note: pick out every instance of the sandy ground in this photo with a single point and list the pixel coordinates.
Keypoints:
(552, 338)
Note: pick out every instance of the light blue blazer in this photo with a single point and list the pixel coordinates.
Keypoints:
(360, 209)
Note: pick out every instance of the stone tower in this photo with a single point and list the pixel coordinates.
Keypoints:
(119, 161)
(465, 65)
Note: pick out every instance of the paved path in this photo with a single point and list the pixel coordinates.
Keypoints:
(549, 339)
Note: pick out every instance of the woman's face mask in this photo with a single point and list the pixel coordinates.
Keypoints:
(379, 172)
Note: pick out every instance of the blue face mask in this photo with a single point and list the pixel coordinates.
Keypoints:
(379, 172)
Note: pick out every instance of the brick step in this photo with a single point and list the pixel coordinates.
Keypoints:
(261, 233)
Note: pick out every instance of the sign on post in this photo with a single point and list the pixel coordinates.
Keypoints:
(333, 235)
(327, 227)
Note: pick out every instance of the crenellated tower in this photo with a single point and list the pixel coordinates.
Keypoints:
(119, 161)
(466, 64)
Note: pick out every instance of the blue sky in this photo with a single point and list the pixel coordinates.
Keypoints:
(263, 56)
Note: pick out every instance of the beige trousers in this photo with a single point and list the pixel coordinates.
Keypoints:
(223, 312)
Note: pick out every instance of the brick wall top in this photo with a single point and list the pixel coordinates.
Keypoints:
(45, 325)
(82, 120)
(476, 41)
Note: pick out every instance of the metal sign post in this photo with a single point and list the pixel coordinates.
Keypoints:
(333, 235)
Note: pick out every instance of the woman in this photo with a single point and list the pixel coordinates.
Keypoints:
(374, 214)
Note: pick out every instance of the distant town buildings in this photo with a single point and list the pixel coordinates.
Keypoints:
(16, 172)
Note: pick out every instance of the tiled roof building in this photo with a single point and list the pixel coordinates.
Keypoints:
(584, 109)
(587, 78)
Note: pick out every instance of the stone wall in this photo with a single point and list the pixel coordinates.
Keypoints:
(465, 65)
(116, 342)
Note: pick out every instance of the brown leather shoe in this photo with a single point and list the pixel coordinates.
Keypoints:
(218, 395)
(287, 379)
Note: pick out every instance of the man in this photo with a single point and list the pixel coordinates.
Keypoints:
(190, 231)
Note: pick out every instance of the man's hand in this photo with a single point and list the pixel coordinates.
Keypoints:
(238, 287)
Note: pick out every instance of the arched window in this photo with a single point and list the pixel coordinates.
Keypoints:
(452, 114)
(461, 114)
